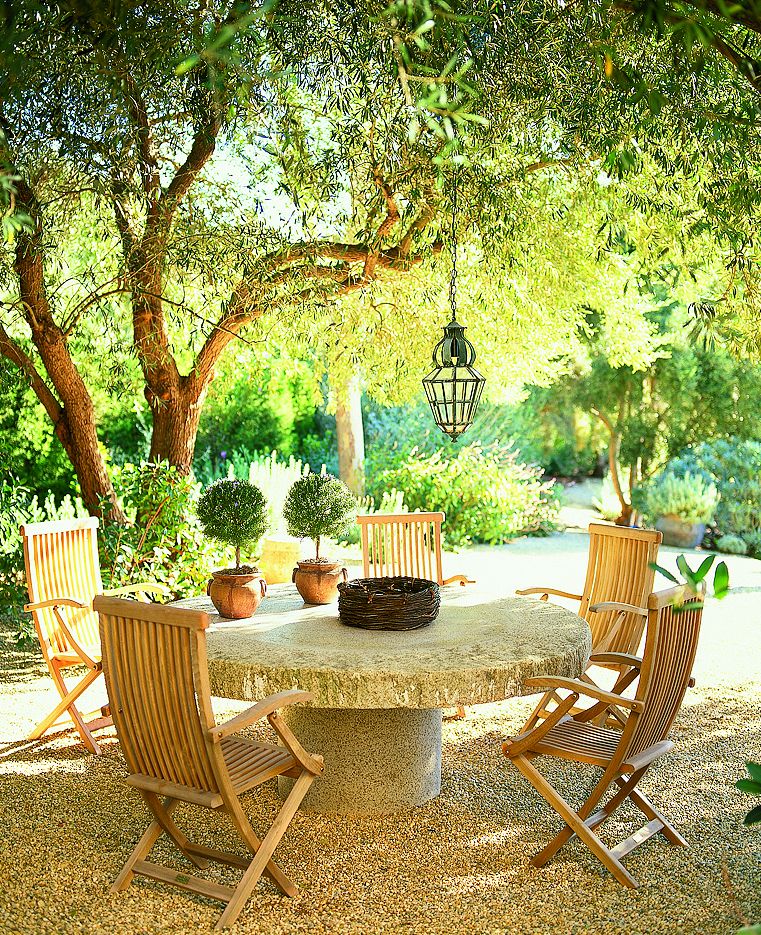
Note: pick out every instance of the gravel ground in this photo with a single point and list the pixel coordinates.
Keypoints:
(458, 864)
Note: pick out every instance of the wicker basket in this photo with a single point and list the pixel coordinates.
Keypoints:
(388, 603)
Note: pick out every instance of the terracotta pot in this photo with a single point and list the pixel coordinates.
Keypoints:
(679, 533)
(317, 582)
(236, 596)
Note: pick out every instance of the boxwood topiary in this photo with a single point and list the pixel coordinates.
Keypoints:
(233, 512)
(318, 505)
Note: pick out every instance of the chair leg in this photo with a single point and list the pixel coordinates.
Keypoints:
(574, 823)
(168, 826)
(264, 852)
(68, 697)
(649, 811)
(142, 848)
(540, 711)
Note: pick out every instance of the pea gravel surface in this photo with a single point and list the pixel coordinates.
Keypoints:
(458, 864)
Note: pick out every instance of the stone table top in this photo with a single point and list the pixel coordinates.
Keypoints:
(480, 649)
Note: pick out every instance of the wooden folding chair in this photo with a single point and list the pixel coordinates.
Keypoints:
(614, 598)
(404, 544)
(623, 755)
(154, 660)
(63, 577)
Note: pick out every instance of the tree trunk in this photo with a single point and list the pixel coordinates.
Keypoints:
(74, 420)
(175, 427)
(351, 437)
(614, 443)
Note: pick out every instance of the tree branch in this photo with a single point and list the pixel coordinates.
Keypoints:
(16, 355)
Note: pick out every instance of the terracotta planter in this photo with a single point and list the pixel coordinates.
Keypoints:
(236, 596)
(317, 582)
(677, 532)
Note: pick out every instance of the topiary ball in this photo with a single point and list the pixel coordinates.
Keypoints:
(319, 505)
(233, 512)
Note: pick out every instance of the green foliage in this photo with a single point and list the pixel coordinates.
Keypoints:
(271, 475)
(233, 512)
(734, 466)
(391, 501)
(753, 787)
(694, 579)
(319, 505)
(259, 402)
(487, 494)
(732, 544)
(689, 496)
(164, 542)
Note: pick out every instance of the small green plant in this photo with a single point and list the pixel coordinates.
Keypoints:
(732, 544)
(693, 579)
(691, 497)
(753, 787)
(318, 505)
(233, 512)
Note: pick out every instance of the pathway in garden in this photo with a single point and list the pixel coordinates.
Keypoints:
(456, 865)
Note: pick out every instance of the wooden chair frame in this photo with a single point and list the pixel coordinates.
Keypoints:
(623, 755)
(63, 577)
(618, 580)
(404, 544)
(154, 661)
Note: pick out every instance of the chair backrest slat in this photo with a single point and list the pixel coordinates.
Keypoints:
(61, 560)
(150, 656)
(670, 647)
(618, 569)
(402, 544)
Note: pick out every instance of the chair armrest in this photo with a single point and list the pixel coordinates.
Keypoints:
(57, 602)
(615, 605)
(139, 589)
(554, 591)
(584, 688)
(256, 712)
(622, 659)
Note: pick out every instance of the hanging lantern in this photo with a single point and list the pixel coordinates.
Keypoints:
(454, 386)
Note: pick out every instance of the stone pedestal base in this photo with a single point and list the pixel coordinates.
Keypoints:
(376, 762)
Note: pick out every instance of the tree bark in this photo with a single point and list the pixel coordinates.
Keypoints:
(175, 427)
(72, 412)
(351, 438)
(624, 519)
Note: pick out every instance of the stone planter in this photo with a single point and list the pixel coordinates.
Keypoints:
(279, 555)
(236, 596)
(679, 533)
(317, 582)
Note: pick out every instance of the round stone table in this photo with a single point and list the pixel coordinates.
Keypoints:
(379, 695)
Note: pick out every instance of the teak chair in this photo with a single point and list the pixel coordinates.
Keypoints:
(623, 755)
(404, 544)
(63, 572)
(614, 598)
(154, 660)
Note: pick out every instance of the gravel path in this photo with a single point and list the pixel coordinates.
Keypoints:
(458, 864)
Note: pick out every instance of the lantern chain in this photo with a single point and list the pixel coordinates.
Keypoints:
(453, 249)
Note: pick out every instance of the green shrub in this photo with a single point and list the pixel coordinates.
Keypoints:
(391, 502)
(733, 545)
(691, 497)
(164, 542)
(734, 465)
(487, 494)
(319, 505)
(272, 476)
(233, 512)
